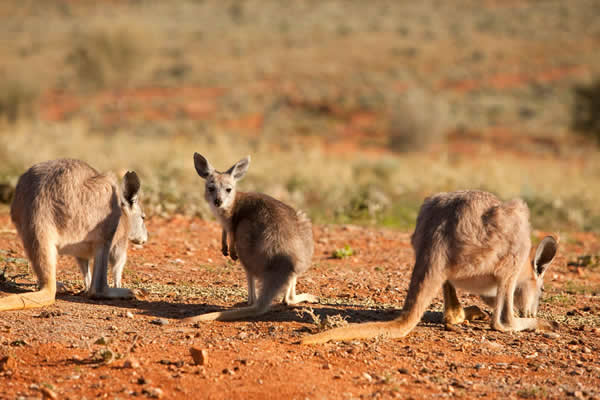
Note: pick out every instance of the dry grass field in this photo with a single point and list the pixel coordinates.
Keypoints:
(354, 111)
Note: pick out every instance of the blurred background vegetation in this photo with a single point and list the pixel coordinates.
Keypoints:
(352, 110)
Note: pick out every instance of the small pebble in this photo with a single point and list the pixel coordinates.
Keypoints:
(155, 393)
(142, 381)
(160, 321)
(131, 362)
(199, 355)
(7, 363)
(551, 335)
(129, 314)
(48, 393)
(367, 376)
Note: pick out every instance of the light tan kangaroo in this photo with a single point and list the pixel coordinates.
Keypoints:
(274, 242)
(473, 241)
(67, 207)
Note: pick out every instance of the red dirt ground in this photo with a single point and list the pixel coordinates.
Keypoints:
(180, 272)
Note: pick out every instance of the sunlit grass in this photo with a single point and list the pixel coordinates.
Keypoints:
(333, 188)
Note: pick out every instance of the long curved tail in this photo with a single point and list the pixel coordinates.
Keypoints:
(426, 280)
(228, 315)
(23, 301)
(390, 329)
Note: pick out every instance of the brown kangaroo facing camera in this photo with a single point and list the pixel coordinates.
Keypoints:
(273, 241)
(67, 207)
(472, 241)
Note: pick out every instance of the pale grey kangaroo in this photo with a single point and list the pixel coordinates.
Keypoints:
(473, 241)
(67, 207)
(273, 241)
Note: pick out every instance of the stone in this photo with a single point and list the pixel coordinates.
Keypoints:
(131, 362)
(200, 356)
(7, 363)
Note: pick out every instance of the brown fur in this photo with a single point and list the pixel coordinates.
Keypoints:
(67, 207)
(471, 240)
(273, 241)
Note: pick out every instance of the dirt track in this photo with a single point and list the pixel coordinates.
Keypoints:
(181, 272)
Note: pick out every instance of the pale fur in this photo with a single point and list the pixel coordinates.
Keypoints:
(470, 240)
(274, 242)
(67, 207)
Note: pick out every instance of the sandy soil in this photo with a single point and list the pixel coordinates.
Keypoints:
(80, 348)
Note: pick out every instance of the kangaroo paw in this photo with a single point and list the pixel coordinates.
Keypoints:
(24, 301)
(112, 293)
(454, 316)
(474, 313)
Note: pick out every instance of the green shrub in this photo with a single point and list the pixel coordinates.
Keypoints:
(586, 110)
(344, 252)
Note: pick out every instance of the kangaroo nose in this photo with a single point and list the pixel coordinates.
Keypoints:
(218, 202)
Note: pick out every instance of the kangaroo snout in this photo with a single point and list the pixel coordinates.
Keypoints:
(218, 202)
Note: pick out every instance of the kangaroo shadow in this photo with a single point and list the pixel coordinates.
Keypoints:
(10, 287)
(277, 313)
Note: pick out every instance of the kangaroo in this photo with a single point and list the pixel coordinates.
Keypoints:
(274, 242)
(472, 241)
(66, 207)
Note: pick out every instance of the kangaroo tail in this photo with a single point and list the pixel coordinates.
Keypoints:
(425, 281)
(23, 301)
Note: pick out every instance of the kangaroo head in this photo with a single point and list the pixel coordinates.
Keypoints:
(529, 287)
(132, 208)
(220, 186)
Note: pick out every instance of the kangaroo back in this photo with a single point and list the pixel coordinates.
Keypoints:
(65, 200)
(67, 207)
(265, 228)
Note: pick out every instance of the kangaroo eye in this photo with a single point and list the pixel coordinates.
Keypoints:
(211, 189)
(228, 190)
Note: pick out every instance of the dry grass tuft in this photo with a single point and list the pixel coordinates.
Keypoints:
(416, 120)
(387, 190)
(109, 57)
(330, 322)
(17, 99)
(586, 110)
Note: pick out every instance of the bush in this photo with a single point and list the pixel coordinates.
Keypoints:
(416, 120)
(17, 99)
(108, 58)
(586, 110)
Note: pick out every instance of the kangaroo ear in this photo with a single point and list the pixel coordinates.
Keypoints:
(240, 168)
(203, 168)
(544, 254)
(131, 187)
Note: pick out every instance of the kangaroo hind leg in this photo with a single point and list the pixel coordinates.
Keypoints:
(275, 278)
(291, 297)
(42, 256)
